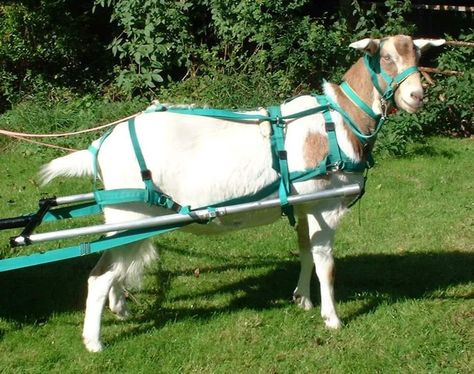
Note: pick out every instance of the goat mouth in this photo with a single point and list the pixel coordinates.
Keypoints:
(410, 107)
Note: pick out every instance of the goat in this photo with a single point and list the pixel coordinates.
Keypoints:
(200, 161)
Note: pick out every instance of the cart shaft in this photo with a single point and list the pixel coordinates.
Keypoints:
(195, 216)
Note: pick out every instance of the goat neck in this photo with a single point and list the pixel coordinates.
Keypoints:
(359, 79)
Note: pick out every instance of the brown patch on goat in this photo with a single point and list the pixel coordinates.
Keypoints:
(405, 48)
(359, 79)
(315, 149)
(401, 46)
(332, 272)
(303, 234)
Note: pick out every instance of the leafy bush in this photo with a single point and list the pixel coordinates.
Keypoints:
(449, 110)
(169, 41)
(49, 43)
(223, 53)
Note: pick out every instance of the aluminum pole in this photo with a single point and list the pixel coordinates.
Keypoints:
(195, 216)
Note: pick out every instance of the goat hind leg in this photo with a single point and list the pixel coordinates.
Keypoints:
(100, 282)
(115, 268)
(117, 301)
(302, 294)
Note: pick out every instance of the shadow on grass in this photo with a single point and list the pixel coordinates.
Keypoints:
(375, 279)
(33, 295)
(428, 150)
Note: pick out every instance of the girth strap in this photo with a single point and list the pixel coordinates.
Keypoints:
(280, 161)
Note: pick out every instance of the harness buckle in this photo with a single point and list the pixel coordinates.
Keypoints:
(340, 165)
(163, 199)
(279, 122)
(337, 166)
(384, 107)
(330, 126)
(212, 213)
(146, 174)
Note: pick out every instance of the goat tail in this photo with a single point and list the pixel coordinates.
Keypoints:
(76, 164)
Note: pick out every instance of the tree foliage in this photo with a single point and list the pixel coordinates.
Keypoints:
(231, 53)
(49, 44)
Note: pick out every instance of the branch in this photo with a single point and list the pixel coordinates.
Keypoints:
(439, 71)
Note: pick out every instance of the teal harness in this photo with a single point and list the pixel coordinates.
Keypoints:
(336, 160)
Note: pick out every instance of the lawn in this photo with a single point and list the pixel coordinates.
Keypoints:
(221, 304)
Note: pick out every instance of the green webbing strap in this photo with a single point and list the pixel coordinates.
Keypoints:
(373, 67)
(394, 82)
(100, 245)
(152, 196)
(73, 211)
(113, 197)
(334, 158)
(405, 74)
(352, 95)
(95, 152)
(230, 115)
(363, 138)
(260, 195)
(278, 147)
(218, 113)
(145, 172)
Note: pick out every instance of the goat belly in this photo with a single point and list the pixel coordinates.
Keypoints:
(236, 222)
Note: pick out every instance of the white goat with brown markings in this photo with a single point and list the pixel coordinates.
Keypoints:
(201, 161)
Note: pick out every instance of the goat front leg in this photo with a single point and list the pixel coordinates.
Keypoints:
(321, 228)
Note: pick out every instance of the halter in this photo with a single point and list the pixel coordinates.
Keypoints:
(372, 63)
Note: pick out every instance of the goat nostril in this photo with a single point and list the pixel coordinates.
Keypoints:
(418, 96)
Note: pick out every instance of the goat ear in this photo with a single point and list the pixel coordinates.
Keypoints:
(424, 44)
(366, 45)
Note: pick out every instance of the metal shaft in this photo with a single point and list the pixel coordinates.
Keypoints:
(195, 216)
(75, 198)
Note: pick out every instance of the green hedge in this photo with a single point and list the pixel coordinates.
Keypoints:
(234, 54)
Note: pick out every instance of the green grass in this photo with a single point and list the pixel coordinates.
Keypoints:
(404, 284)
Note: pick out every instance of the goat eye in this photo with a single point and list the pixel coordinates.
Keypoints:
(386, 58)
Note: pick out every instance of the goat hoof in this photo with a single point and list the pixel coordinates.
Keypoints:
(303, 302)
(122, 314)
(93, 346)
(333, 323)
